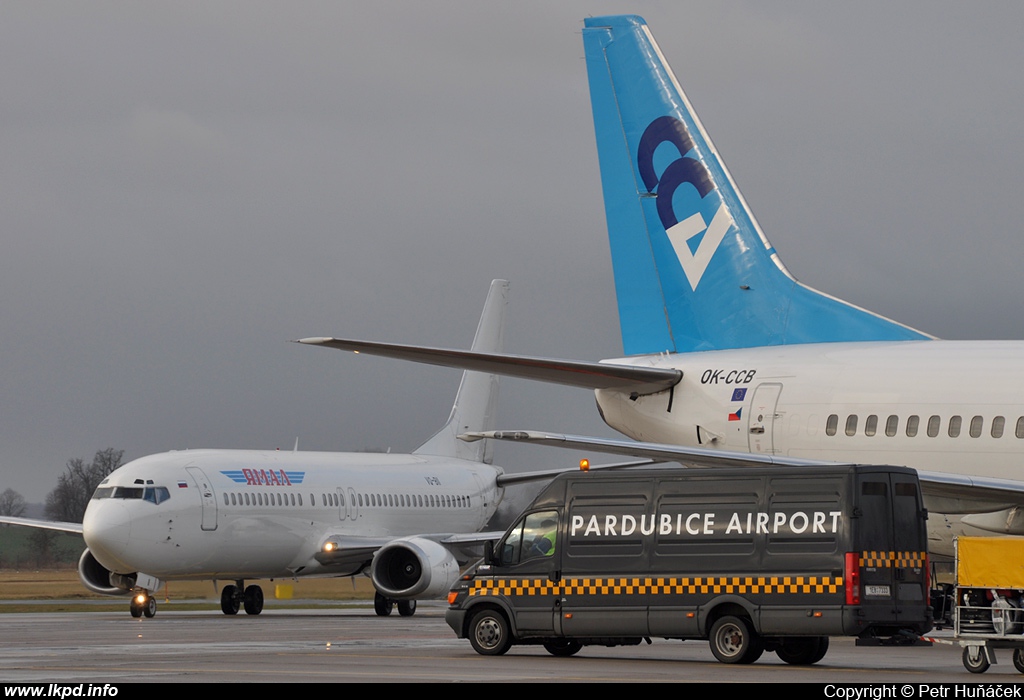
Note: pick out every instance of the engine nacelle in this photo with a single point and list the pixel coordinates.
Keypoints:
(97, 578)
(413, 568)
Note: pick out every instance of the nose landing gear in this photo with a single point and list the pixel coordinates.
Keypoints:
(142, 604)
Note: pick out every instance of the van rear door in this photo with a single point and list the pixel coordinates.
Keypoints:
(890, 538)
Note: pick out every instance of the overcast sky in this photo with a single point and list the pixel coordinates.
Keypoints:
(187, 186)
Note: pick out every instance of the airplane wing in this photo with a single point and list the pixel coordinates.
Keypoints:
(952, 494)
(42, 524)
(589, 375)
(357, 552)
(691, 456)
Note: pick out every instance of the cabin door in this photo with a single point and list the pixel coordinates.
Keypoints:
(761, 439)
(206, 496)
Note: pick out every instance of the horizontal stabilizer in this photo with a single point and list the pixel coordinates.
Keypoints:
(589, 375)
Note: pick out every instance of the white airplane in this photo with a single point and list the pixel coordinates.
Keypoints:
(404, 520)
(731, 360)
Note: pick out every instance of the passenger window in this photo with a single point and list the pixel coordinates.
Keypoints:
(851, 424)
(977, 423)
(998, 423)
(871, 425)
(892, 424)
(1020, 427)
(933, 426)
(954, 426)
(912, 424)
(831, 425)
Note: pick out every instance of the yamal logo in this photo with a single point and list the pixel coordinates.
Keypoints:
(683, 170)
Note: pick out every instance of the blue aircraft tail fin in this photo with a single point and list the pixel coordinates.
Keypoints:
(693, 270)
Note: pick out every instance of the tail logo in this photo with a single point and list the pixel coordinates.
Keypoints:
(681, 171)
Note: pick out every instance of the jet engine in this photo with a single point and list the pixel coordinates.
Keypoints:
(98, 579)
(413, 568)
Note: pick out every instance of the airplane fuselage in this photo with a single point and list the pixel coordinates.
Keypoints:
(945, 406)
(234, 514)
(934, 405)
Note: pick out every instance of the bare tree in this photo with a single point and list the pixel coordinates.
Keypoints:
(12, 503)
(42, 546)
(67, 502)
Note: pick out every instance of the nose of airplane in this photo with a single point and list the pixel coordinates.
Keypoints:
(106, 529)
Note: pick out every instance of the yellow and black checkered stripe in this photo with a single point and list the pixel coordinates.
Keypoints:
(657, 586)
(889, 560)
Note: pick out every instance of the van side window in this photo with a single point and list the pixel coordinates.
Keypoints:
(533, 537)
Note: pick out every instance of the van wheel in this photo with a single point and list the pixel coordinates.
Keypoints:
(802, 651)
(975, 660)
(1018, 660)
(489, 633)
(562, 647)
(734, 642)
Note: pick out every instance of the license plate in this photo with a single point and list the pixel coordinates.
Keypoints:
(876, 590)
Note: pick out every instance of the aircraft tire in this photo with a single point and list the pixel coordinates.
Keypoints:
(382, 605)
(229, 600)
(149, 607)
(407, 608)
(134, 608)
(253, 600)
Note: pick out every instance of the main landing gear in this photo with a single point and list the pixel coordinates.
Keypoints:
(383, 605)
(241, 596)
(142, 604)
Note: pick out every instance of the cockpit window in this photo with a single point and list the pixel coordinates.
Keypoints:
(153, 494)
(156, 494)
